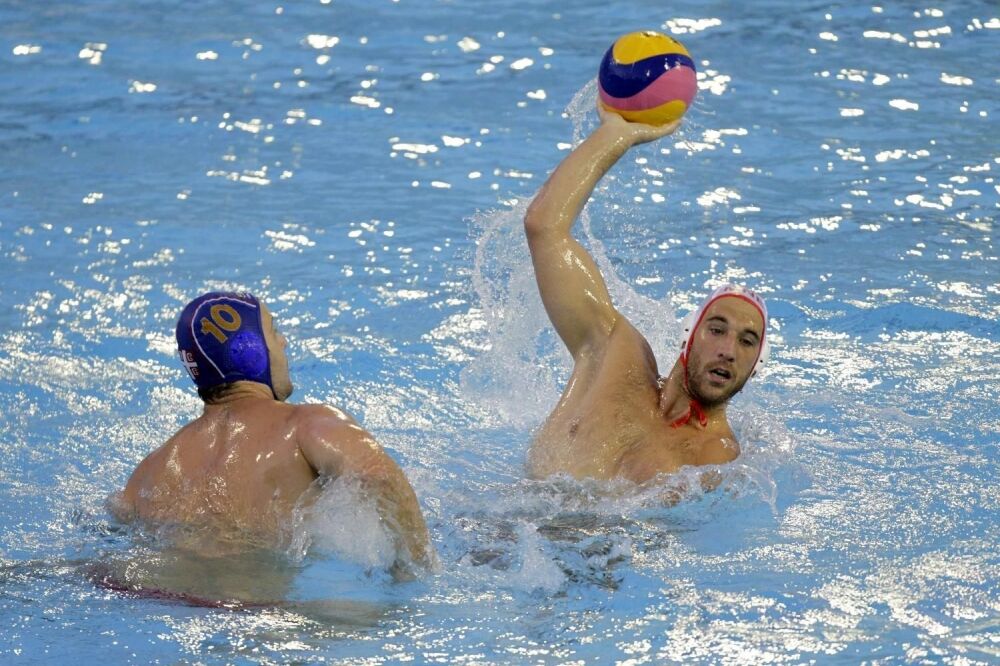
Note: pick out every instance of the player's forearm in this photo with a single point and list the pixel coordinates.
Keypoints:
(398, 506)
(559, 202)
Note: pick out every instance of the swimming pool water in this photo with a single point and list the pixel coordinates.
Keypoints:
(364, 166)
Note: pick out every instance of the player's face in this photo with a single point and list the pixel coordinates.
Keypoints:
(276, 344)
(724, 350)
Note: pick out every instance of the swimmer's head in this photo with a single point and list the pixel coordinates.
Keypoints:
(725, 344)
(226, 337)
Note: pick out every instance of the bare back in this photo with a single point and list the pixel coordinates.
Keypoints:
(238, 467)
(241, 467)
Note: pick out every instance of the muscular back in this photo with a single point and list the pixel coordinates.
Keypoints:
(237, 467)
(241, 467)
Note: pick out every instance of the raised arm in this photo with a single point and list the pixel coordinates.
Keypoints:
(334, 445)
(574, 292)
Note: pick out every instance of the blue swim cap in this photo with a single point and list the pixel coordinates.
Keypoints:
(220, 339)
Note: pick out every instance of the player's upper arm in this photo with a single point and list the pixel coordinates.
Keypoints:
(572, 288)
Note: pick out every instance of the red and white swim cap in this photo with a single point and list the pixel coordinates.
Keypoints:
(690, 322)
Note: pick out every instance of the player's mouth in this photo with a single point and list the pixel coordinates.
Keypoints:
(719, 375)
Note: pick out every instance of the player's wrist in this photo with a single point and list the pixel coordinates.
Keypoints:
(614, 137)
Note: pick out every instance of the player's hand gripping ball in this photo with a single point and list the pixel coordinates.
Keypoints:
(647, 77)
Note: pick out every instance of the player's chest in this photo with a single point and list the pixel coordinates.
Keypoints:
(650, 446)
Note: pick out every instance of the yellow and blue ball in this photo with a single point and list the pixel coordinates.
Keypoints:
(647, 77)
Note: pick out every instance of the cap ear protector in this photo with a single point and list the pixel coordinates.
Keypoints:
(687, 328)
(762, 357)
(690, 322)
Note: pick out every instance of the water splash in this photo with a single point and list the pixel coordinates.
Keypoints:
(524, 365)
(336, 517)
(537, 571)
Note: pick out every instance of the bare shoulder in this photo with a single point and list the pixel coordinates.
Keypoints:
(641, 344)
(332, 441)
(325, 421)
(718, 446)
(158, 457)
(648, 458)
(148, 472)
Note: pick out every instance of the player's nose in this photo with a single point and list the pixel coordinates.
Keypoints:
(727, 348)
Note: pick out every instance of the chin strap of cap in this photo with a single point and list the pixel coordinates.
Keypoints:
(694, 407)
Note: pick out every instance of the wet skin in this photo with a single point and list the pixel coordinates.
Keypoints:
(614, 416)
(240, 468)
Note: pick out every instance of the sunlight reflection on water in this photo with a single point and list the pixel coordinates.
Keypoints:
(365, 170)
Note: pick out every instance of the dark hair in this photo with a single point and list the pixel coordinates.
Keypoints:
(214, 393)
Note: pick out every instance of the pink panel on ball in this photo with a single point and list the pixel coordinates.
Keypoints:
(680, 83)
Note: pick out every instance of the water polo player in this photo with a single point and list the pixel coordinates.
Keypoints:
(239, 469)
(618, 417)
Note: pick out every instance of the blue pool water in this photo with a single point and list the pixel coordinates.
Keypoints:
(363, 166)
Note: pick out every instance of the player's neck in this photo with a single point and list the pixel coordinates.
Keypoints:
(678, 406)
(674, 398)
(239, 392)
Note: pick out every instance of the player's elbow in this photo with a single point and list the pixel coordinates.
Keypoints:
(532, 223)
(537, 223)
